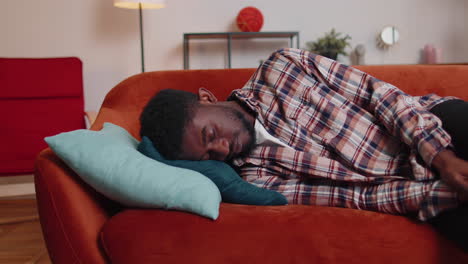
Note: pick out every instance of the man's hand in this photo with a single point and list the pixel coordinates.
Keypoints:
(453, 171)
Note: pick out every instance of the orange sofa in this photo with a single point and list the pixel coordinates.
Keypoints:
(82, 226)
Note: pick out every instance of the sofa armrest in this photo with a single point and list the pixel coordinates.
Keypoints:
(71, 212)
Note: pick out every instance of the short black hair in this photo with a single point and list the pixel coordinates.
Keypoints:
(164, 118)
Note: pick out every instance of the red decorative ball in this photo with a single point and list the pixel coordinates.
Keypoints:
(250, 19)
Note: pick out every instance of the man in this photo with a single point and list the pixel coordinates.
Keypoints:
(323, 133)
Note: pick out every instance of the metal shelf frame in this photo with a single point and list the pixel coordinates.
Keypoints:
(229, 36)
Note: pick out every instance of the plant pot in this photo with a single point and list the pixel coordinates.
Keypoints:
(330, 54)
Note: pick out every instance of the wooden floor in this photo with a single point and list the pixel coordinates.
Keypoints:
(21, 239)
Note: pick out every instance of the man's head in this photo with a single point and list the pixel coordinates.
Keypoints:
(184, 125)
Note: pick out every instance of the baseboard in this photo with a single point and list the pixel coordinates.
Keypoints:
(27, 178)
(13, 187)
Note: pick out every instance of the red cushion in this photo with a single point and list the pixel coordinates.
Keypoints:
(282, 234)
(39, 98)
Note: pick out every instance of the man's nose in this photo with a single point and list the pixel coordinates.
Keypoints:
(219, 148)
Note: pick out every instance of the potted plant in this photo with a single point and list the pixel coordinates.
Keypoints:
(330, 45)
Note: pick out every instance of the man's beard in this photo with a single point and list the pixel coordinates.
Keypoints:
(247, 148)
(250, 145)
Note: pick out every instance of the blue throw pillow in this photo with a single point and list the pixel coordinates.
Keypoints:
(233, 189)
(108, 160)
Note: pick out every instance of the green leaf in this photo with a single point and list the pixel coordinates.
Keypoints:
(331, 44)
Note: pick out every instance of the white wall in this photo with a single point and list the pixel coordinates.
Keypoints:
(107, 38)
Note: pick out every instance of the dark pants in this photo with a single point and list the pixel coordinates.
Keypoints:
(454, 115)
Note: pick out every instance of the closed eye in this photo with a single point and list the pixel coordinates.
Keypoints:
(211, 134)
(208, 134)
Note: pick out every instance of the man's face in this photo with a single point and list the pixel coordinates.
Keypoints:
(217, 133)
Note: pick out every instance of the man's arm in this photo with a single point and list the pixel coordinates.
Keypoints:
(403, 116)
(397, 197)
(397, 111)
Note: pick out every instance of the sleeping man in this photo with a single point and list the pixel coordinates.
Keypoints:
(323, 133)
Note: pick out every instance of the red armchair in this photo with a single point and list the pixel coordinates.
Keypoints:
(39, 98)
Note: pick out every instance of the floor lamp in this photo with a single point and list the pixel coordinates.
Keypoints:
(141, 4)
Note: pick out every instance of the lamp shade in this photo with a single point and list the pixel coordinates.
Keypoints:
(145, 4)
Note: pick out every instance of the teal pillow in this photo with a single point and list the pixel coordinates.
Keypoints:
(233, 189)
(108, 160)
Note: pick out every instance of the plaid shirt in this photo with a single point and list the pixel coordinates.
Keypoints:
(357, 142)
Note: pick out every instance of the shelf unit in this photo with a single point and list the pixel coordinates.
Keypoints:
(229, 36)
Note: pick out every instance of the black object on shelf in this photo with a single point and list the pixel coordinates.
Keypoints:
(229, 36)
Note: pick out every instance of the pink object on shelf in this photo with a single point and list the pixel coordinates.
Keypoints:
(432, 55)
(429, 54)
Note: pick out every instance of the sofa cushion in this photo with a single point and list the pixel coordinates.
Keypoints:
(274, 234)
(233, 189)
(109, 161)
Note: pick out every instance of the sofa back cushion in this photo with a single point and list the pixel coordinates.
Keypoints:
(123, 104)
(444, 80)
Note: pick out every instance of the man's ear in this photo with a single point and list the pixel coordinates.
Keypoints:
(205, 96)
